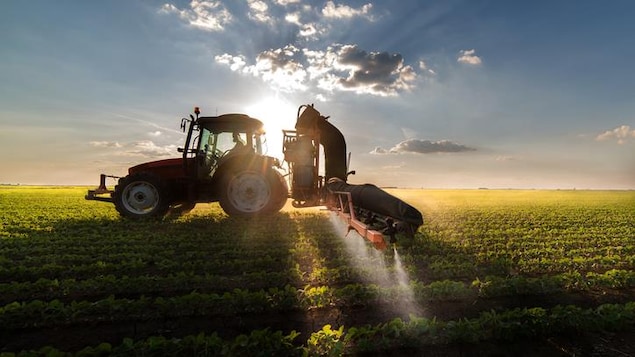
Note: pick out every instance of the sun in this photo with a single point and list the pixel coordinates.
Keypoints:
(277, 114)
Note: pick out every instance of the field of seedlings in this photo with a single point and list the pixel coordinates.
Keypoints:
(491, 272)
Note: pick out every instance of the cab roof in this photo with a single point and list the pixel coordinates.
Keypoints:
(231, 123)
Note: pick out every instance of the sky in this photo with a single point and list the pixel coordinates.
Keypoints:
(429, 94)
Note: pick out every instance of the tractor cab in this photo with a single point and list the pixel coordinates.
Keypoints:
(221, 138)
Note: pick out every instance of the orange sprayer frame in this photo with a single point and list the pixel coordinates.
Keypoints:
(373, 236)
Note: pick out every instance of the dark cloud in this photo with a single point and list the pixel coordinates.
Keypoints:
(376, 72)
(424, 147)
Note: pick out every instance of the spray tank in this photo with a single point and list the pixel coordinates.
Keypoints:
(366, 208)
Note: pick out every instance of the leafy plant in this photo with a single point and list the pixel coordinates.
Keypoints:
(326, 342)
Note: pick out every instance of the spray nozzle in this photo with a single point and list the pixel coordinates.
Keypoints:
(390, 230)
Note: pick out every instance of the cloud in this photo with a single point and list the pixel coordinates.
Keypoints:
(424, 147)
(145, 148)
(148, 148)
(312, 31)
(321, 98)
(331, 10)
(286, 2)
(306, 29)
(621, 134)
(293, 18)
(105, 144)
(212, 15)
(280, 67)
(379, 73)
(206, 15)
(259, 11)
(155, 133)
(469, 57)
(338, 68)
(235, 63)
(424, 67)
(379, 151)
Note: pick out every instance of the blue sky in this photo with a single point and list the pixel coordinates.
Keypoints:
(456, 94)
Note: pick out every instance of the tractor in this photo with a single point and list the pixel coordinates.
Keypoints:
(222, 161)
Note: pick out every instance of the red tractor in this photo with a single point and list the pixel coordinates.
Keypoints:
(223, 162)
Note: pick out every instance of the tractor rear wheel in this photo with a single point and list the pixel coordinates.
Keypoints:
(283, 190)
(251, 192)
(141, 195)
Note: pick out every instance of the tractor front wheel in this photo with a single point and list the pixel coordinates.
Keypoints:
(141, 195)
(252, 192)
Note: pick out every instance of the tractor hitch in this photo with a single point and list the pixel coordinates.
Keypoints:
(96, 194)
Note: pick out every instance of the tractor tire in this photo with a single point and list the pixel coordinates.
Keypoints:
(252, 192)
(283, 190)
(141, 195)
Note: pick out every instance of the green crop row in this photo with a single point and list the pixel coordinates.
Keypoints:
(140, 267)
(395, 334)
(437, 267)
(172, 284)
(39, 313)
(490, 325)
(496, 286)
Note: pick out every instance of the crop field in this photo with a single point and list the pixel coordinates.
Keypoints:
(491, 272)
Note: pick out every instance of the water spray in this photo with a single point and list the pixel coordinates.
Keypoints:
(366, 259)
